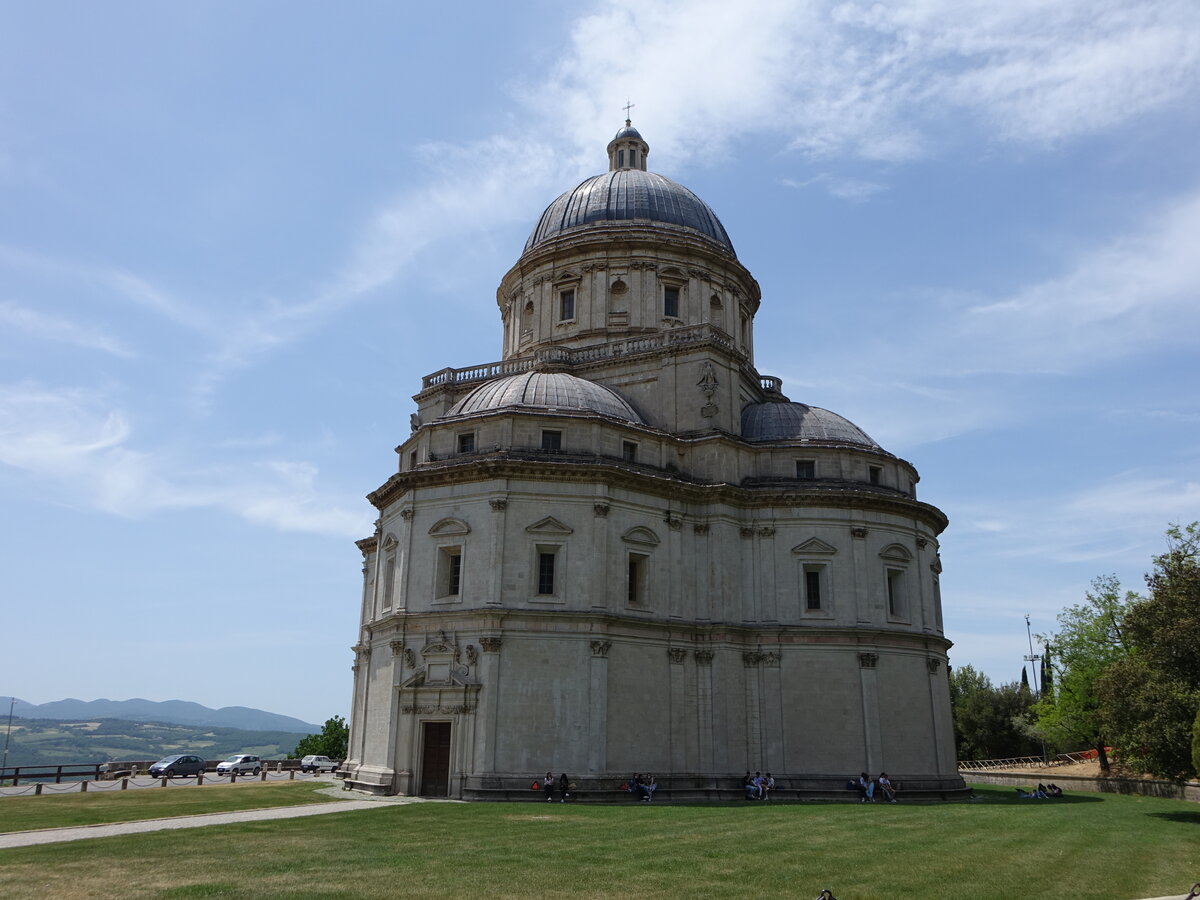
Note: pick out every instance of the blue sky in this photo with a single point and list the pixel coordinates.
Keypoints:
(233, 237)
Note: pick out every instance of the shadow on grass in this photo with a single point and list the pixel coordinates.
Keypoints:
(1012, 799)
(1183, 817)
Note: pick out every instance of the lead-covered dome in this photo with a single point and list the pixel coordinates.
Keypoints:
(799, 422)
(548, 391)
(629, 195)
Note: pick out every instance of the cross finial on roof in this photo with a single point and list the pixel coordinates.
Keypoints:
(628, 106)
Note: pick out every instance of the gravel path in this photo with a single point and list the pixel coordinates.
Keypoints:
(57, 835)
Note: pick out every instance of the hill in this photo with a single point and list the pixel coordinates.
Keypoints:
(37, 742)
(182, 712)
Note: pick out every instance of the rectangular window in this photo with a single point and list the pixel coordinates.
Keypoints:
(874, 473)
(629, 451)
(671, 302)
(636, 588)
(466, 443)
(449, 571)
(389, 581)
(806, 468)
(812, 589)
(566, 305)
(620, 159)
(895, 594)
(551, 440)
(546, 573)
(412, 460)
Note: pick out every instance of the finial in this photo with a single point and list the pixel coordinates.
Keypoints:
(627, 107)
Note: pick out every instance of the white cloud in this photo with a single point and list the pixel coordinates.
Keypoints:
(1135, 292)
(870, 79)
(54, 328)
(856, 190)
(1115, 523)
(74, 440)
(126, 285)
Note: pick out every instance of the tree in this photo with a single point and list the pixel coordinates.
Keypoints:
(1088, 642)
(1047, 673)
(332, 741)
(1196, 743)
(1151, 698)
(989, 722)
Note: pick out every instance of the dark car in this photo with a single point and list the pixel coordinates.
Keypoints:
(179, 764)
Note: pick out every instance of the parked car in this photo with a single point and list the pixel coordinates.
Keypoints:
(179, 764)
(240, 764)
(317, 764)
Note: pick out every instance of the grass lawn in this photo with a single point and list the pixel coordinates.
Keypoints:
(62, 810)
(1096, 846)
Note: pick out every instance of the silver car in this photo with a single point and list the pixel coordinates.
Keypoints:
(240, 764)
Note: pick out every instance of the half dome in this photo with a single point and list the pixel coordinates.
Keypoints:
(629, 195)
(551, 391)
(799, 422)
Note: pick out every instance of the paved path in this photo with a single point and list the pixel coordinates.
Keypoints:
(57, 835)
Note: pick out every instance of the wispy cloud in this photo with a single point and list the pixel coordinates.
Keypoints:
(463, 192)
(868, 79)
(114, 281)
(856, 190)
(1114, 523)
(75, 440)
(60, 330)
(1135, 291)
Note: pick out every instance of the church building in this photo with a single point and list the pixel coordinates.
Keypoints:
(623, 549)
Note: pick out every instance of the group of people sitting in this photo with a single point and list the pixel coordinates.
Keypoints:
(644, 785)
(759, 787)
(1041, 792)
(549, 784)
(867, 786)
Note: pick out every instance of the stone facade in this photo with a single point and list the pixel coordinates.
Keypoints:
(621, 548)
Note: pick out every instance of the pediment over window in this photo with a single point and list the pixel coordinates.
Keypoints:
(440, 675)
(642, 536)
(549, 525)
(390, 542)
(565, 278)
(814, 547)
(450, 526)
(896, 553)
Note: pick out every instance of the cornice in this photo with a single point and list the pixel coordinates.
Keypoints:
(707, 635)
(626, 239)
(665, 485)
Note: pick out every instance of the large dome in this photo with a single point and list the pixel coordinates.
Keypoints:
(629, 195)
(774, 421)
(553, 391)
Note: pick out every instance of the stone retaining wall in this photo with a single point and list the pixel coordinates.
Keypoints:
(1188, 790)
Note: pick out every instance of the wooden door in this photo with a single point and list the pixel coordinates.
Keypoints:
(435, 759)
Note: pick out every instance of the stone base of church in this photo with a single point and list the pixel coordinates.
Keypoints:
(698, 788)
(371, 780)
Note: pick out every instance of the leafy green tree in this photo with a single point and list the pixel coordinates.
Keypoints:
(989, 722)
(1196, 743)
(331, 742)
(1151, 697)
(1089, 640)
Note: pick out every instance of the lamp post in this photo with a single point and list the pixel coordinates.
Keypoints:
(1032, 658)
(8, 734)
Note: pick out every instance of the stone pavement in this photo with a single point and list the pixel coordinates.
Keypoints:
(57, 835)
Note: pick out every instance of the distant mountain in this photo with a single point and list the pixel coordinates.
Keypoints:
(52, 742)
(182, 712)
